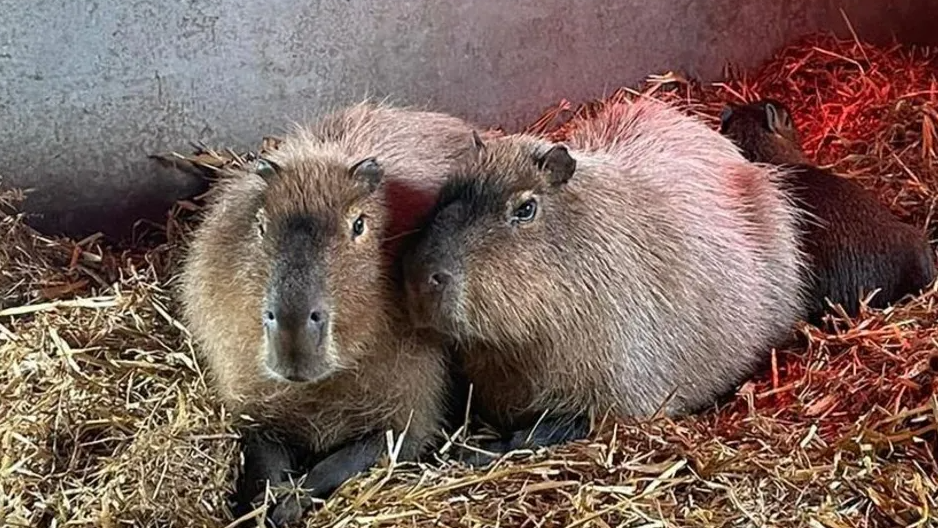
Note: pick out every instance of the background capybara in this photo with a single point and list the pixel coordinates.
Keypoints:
(289, 294)
(647, 259)
(854, 243)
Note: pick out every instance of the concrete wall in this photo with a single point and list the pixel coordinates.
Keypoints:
(88, 89)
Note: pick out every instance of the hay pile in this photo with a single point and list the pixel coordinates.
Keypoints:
(105, 418)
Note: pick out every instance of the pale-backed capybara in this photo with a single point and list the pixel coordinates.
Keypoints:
(289, 292)
(644, 257)
(854, 243)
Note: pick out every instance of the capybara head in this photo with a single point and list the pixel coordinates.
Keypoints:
(764, 131)
(484, 262)
(317, 247)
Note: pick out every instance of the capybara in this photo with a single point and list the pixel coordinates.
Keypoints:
(854, 243)
(645, 258)
(290, 295)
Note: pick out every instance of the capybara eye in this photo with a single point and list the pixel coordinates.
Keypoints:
(358, 227)
(526, 211)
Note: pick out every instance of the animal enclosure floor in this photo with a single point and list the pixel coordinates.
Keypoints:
(106, 419)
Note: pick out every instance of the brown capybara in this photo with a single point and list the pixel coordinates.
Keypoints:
(643, 258)
(854, 243)
(290, 296)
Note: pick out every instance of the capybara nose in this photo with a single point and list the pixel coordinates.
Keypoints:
(289, 318)
(318, 318)
(439, 281)
(297, 335)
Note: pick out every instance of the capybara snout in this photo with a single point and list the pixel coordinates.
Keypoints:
(297, 336)
(435, 284)
(297, 314)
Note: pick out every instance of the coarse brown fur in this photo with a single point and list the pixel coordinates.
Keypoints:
(664, 262)
(377, 374)
(855, 244)
(416, 147)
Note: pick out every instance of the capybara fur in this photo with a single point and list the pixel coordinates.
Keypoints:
(290, 295)
(854, 243)
(645, 258)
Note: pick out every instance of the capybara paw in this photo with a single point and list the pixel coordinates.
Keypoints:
(289, 510)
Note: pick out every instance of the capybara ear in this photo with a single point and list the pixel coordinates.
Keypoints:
(778, 119)
(558, 163)
(265, 168)
(368, 171)
(725, 115)
(477, 142)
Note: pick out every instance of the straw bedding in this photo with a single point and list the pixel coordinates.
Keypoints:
(106, 418)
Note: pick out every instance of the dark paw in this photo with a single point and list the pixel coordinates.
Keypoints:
(289, 509)
(550, 432)
(241, 509)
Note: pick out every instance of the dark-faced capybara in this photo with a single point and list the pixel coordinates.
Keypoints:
(854, 243)
(289, 293)
(644, 257)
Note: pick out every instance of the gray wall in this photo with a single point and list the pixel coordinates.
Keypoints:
(89, 88)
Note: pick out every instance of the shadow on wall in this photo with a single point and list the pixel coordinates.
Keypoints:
(152, 199)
